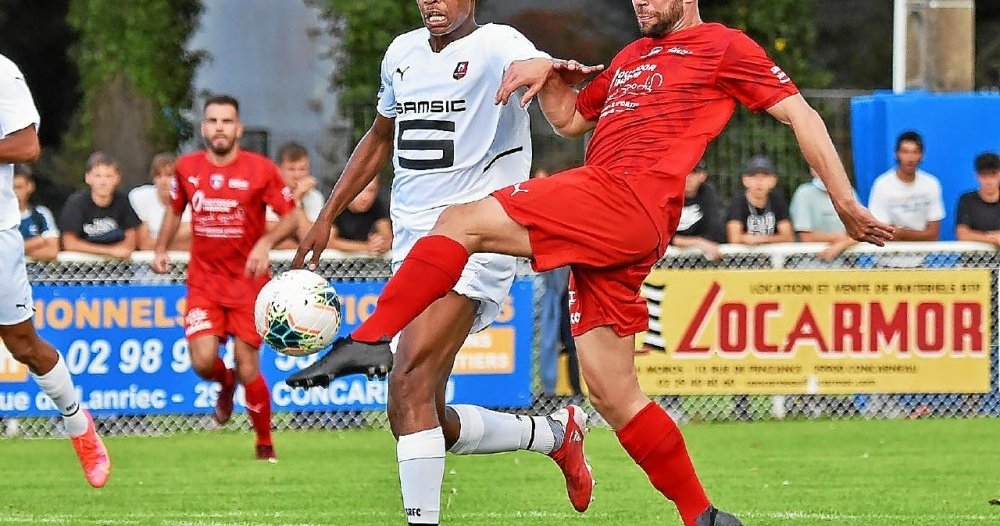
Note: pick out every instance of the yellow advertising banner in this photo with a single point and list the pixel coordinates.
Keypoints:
(817, 332)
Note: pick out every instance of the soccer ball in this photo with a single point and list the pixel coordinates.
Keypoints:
(297, 313)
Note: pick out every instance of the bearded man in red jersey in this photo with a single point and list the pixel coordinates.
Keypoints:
(653, 112)
(229, 190)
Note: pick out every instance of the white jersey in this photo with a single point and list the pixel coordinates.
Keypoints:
(452, 143)
(17, 112)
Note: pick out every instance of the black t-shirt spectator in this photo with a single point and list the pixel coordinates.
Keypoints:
(702, 215)
(977, 214)
(758, 221)
(103, 225)
(356, 226)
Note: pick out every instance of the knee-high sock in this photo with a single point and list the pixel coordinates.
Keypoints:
(58, 384)
(421, 468)
(655, 443)
(259, 409)
(221, 374)
(484, 431)
(429, 271)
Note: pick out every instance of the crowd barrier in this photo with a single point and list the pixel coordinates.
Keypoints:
(764, 332)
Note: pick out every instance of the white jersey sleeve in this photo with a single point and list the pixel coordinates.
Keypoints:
(512, 46)
(17, 109)
(386, 98)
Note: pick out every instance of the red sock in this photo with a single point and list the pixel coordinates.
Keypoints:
(221, 374)
(429, 271)
(653, 441)
(259, 409)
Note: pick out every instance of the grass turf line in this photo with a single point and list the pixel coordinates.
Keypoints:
(828, 473)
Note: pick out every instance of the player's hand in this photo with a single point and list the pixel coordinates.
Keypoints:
(531, 74)
(160, 263)
(259, 261)
(315, 243)
(861, 225)
(573, 72)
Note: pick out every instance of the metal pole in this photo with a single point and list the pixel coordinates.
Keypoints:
(899, 16)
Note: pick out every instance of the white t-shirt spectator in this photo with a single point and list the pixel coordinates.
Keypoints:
(150, 209)
(312, 205)
(907, 205)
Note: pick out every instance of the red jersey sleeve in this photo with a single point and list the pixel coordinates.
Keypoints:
(178, 194)
(276, 194)
(591, 99)
(749, 75)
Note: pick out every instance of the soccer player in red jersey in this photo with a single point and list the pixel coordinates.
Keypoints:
(228, 190)
(653, 112)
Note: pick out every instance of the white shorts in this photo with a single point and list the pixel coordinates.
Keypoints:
(486, 278)
(16, 303)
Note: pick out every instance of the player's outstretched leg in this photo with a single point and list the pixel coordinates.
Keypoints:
(227, 389)
(258, 397)
(560, 436)
(50, 372)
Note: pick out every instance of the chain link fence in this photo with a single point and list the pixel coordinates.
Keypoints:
(73, 270)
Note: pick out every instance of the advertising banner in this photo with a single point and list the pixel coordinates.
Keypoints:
(125, 347)
(817, 332)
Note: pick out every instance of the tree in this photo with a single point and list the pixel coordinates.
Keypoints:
(364, 30)
(136, 78)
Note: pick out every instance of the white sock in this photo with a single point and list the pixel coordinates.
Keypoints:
(421, 469)
(485, 431)
(59, 386)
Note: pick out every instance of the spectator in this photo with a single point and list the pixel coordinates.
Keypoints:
(701, 218)
(907, 197)
(100, 220)
(364, 226)
(293, 163)
(815, 219)
(150, 201)
(757, 216)
(979, 210)
(38, 227)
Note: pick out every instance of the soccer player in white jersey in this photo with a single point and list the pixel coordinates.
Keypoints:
(450, 144)
(19, 144)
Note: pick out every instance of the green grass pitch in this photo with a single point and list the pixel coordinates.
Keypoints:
(849, 473)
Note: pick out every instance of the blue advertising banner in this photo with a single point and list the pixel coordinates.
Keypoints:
(125, 347)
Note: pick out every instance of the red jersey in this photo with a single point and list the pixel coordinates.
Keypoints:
(662, 100)
(227, 219)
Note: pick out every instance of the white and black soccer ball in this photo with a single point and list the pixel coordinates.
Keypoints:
(297, 313)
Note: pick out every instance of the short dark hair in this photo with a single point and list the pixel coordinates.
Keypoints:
(99, 158)
(292, 151)
(987, 162)
(222, 99)
(910, 136)
(160, 161)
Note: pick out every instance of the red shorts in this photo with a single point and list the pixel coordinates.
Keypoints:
(591, 220)
(206, 317)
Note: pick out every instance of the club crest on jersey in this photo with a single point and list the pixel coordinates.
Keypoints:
(461, 70)
(215, 180)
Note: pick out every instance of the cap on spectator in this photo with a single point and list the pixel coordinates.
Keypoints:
(759, 164)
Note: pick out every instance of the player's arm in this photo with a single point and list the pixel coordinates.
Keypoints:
(20, 147)
(553, 81)
(171, 223)
(368, 157)
(817, 148)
